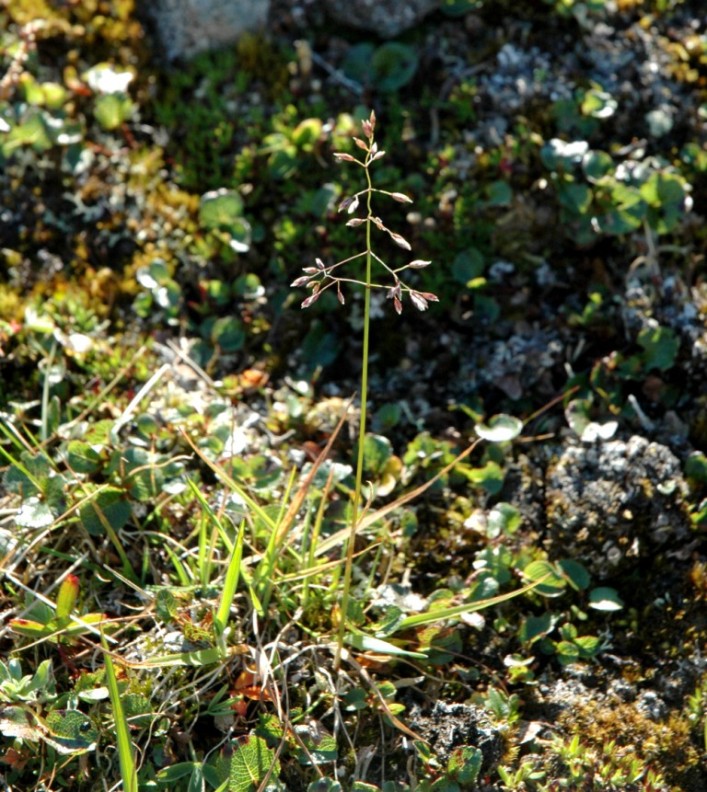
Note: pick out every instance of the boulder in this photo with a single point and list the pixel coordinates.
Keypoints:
(187, 27)
(387, 18)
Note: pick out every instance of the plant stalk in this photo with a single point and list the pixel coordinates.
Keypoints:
(356, 503)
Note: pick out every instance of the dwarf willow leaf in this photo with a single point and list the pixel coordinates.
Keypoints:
(251, 761)
(500, 429)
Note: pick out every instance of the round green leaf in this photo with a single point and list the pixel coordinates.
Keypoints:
(393, 65)
(82, 457)
(500, 429)
(596, 165)
(605, 599)
(219, 209)
(109, 506)
(228, 334)
(576, 573)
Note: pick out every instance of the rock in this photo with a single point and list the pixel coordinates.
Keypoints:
(187, 27)
(387, 18)
(449, 726)
(611, 504)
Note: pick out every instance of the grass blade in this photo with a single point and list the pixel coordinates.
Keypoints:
(128, 770)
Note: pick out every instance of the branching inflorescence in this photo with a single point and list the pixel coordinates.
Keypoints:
(321, 277)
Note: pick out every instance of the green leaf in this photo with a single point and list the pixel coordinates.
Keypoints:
(377, 450)
(576, 573)
(696, 468)
(393, 65)
(552, 585)
(368, 643)
(169, 775)
(504, 518)
(661, 347)
(325, 785)
(467, 265)
(500, 429)
(490, 477)
(70, 732)
(110, 505)
(598, 104)
(575, 197)
(220, 210)
(499, 193)
(112, 110)
(228, 334)
(250, 763)
(464, 764)
(82, 457)
(588, 645)
(596, 165)
(567, 652)
(321, 749)
(534, 627)
(604, 598)
(307, 133)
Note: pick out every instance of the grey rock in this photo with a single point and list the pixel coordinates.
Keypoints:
(387, 18)
(450, 726)
(611, 504)
(187, 27)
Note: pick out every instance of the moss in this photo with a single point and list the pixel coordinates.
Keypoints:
(666, 743)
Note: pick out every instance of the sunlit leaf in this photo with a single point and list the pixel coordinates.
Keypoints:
(500, 429)
(605, 599)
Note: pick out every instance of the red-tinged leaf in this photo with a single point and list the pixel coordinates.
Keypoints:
(341, 157)
(429, 296)
(397, 304)
(418, 301)
(400, 197)
(399, 241)
(299, 281)
(419, 264)
(378, 155)
(29, 628)
(310, 300)
(360, 144)
(67, 596)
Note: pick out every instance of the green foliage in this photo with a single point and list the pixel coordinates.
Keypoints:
(600, 196)
(197, 488)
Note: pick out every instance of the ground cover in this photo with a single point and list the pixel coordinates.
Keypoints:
(180, 439)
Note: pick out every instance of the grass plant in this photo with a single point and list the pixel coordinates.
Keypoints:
(323, 277)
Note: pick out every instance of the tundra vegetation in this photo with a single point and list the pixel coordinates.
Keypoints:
(288, 506)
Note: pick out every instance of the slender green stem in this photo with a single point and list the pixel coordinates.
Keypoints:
(355, 506)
